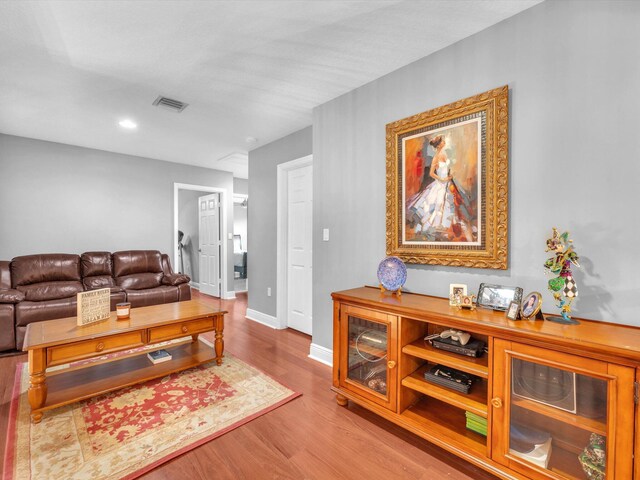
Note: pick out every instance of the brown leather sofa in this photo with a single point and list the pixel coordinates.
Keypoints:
(41, 287)
(8, 298)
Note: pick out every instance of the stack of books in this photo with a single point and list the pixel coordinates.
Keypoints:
(530, 444)
(476, 423)
(159, 356)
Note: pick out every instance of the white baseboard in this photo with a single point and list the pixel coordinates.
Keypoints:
(321, 354)
(229, 296)
(195, 285)
(263, 318)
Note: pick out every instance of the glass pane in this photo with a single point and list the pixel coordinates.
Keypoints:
(558, 420)
(367, 354)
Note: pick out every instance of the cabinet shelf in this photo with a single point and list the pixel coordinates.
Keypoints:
(475, 366)
(475, 401)
(566, 464)
(434, 416)
(368, 349)
(572, 419)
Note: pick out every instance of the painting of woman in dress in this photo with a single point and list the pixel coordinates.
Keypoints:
(441, 187)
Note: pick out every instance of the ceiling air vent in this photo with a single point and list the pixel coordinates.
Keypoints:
(171, 104)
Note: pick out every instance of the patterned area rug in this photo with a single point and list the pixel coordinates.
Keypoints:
(128, 432)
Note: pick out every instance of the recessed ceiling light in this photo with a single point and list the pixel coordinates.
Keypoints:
(128, 124)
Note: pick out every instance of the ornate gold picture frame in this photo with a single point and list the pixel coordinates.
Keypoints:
(447, 184)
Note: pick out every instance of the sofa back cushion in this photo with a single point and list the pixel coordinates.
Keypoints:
(137, 269)
(96, 263)
(39, 292)
(52, 267)
(97, 270)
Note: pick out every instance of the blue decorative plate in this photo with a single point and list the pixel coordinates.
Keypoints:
(392, 273)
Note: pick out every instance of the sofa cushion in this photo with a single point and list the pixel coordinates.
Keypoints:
(152, 296)
(140, 281)
(175, 279)
(11, 296)
(54, 267)
(99, 281)
(28, 312)
(136, 261)
(50, 290)
(96, 263)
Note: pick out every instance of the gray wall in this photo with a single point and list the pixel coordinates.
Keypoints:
(241, 185)
(263, 163)
(189, 223)
(61, 198)
(240, 224)
(574, 76)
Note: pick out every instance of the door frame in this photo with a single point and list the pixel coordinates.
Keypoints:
(223, 232)
(281, 236)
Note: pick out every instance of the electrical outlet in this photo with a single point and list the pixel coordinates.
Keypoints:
(268, 291)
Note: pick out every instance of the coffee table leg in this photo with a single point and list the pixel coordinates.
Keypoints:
(37, 382)
(194, 337)
(219, 343)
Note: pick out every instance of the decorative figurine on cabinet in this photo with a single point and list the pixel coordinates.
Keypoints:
(562, 286)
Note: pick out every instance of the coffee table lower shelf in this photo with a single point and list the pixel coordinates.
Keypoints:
(64, 388)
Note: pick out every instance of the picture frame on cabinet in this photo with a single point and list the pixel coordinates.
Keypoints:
(447, 188)
(456, 290)
(531, 306)
(513, 312)
(498, 297)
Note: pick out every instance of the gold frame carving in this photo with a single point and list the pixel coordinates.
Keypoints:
(493, 204)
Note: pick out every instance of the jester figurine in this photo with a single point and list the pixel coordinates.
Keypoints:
(562, 286)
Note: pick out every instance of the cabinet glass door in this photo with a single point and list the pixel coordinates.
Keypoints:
(368, 367)
(557, 413)
(560, 415)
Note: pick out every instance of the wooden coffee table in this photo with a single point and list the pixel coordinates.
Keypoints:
(58, 342)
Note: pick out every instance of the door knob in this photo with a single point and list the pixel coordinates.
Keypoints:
(391, 364)
(496, 402)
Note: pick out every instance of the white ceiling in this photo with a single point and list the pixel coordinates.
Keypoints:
(70, 70)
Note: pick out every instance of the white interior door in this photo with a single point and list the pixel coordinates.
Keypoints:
(299, 248)
(210, 244)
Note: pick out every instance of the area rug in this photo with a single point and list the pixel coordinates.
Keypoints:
(128, 432)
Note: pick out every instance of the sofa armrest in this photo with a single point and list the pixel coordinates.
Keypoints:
(175, 279)
(9, 295)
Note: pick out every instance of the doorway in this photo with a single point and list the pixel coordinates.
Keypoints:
(295, 244)
(193, 265)
(240, 247)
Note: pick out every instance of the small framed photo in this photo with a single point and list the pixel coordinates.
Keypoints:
(498, 297)
(513, 312)
(531, 305)
(456, 290)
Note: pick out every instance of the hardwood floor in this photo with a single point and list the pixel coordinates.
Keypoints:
(310, 437)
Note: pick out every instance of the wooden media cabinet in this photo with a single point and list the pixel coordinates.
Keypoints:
(546, 393)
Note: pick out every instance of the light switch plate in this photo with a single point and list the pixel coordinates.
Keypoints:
(325, 234)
